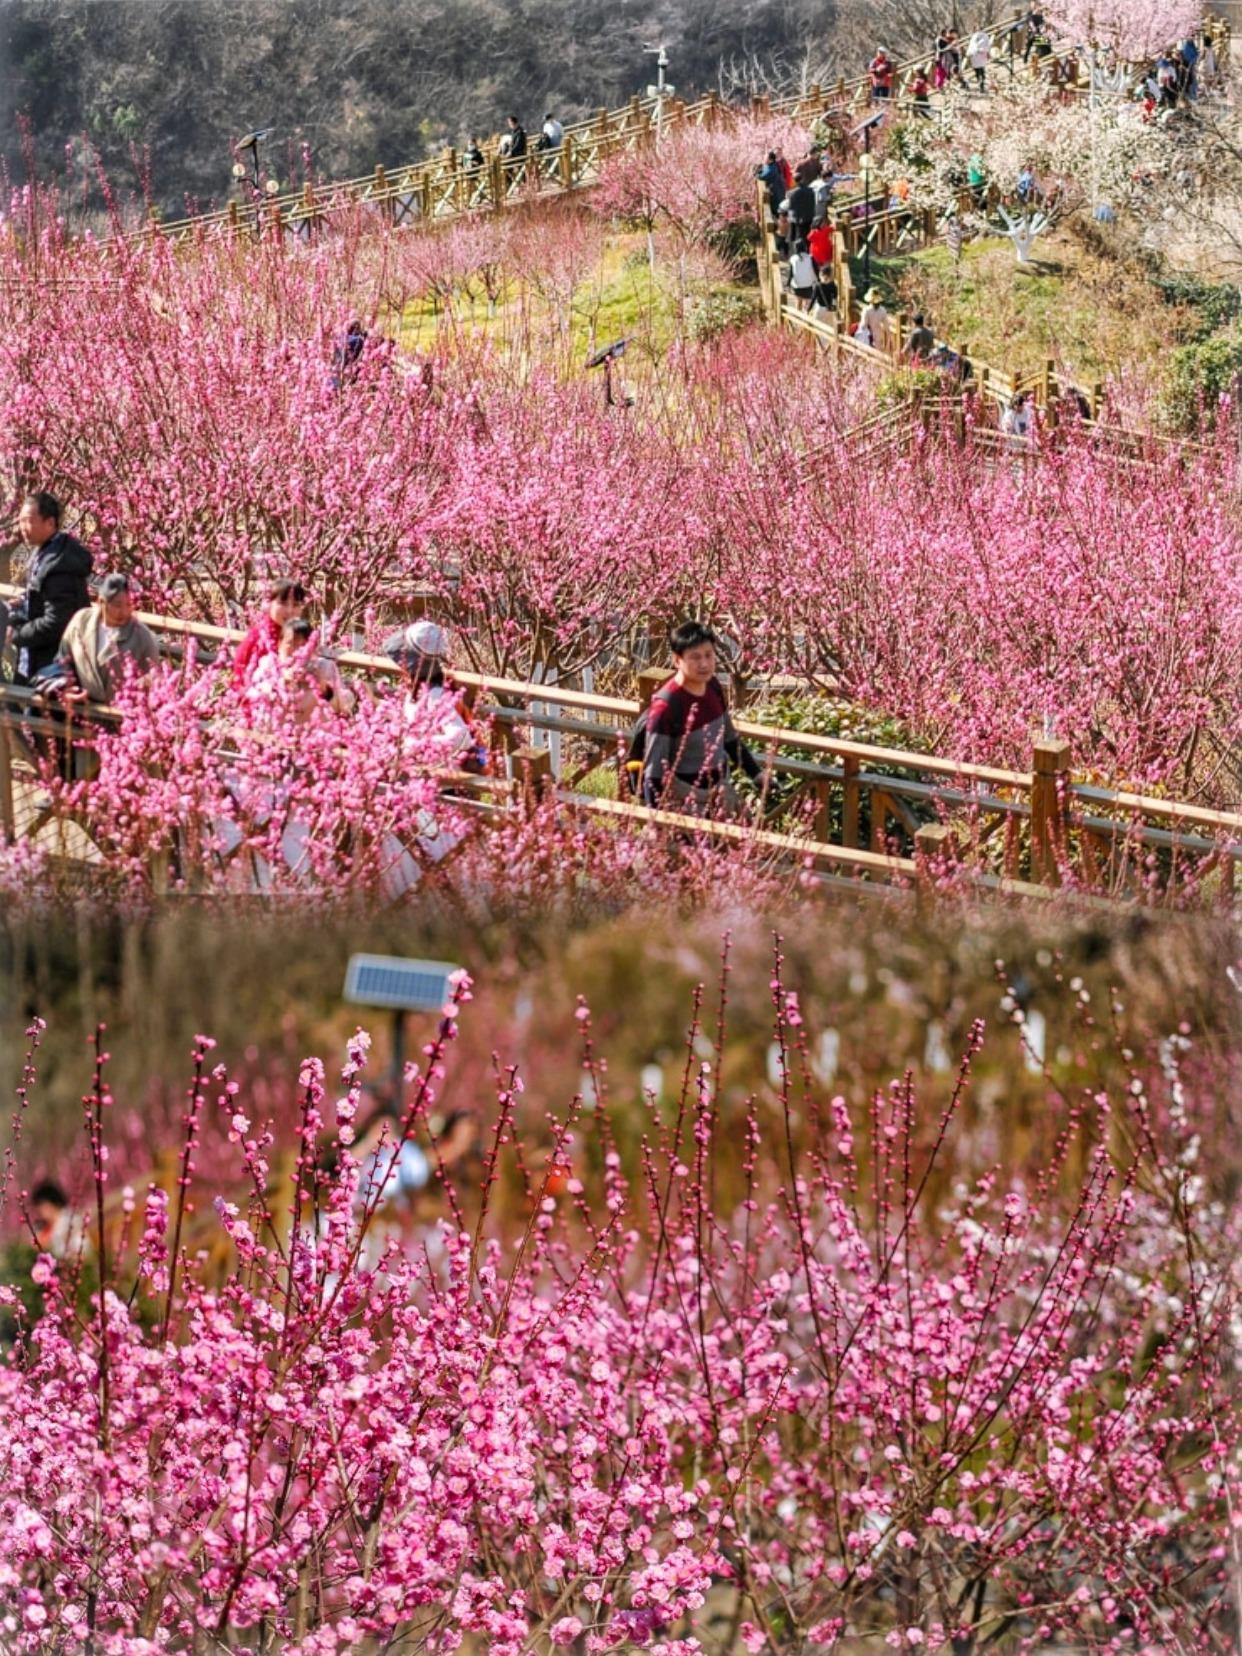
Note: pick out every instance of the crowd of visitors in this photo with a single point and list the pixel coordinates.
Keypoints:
(73, 643)
(682, 750)
(800, 196)
(1175, 75)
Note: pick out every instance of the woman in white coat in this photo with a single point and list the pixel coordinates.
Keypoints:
(979, 52)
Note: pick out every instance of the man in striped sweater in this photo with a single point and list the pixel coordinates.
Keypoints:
(691, 743)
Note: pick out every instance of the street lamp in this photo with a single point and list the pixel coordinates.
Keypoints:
(251, 143)
(604, 359)
(864, 166)
(662, 88)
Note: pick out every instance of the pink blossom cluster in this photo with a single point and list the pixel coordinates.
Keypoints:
(833, 1410)
(185, 406)
(224, 793)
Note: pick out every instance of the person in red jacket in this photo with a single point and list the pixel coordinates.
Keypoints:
(880, 70)
(286, 600)
(819, 245)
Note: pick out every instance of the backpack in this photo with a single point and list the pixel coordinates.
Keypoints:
(636, 752)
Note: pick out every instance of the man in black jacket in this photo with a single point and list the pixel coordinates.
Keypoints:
(516, 136)
(56, 586)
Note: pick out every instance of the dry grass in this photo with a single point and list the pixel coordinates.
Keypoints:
(1094, 315)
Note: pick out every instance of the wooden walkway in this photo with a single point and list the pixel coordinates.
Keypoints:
(875, 814)
(437, 191)
(445, 187)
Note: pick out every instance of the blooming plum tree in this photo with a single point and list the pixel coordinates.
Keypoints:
(1134, 29)
(840, 1411)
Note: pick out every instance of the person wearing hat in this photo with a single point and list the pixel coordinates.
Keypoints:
(100, 639)
(881, 71)
(421, 651)
(875, 318)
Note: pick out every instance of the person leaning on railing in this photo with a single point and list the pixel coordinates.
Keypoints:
(286, 598)
(99, 640)
(299, 677)
(421, 650)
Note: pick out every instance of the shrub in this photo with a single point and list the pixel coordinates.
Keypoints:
(1199, 375)
(644, 1407)
(722, 311)
(907, 384)
(1216, 304)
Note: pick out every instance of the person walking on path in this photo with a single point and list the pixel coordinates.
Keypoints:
(979, 51)
(922, 341)
(771, 175)
(551, 134)
(1033, 23)
(875, 319)
(691, 744)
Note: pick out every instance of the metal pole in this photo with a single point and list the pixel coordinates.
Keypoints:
(398, 1055)
(1095, 185)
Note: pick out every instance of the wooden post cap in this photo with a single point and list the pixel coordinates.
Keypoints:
(936, 841)
(1050, 756)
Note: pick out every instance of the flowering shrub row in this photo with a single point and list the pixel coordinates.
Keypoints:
(183, 403)
(843, 1413)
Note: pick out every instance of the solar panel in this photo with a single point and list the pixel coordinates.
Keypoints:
(404, 985)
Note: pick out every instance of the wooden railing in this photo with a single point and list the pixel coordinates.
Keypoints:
(444, 187)
(858, 809)
(885, 229)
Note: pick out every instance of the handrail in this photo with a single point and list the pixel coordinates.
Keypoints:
(616, 706)
(768, 737)
(446, 172)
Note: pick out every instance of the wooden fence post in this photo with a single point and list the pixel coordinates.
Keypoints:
(853, 796)
(532, 767)
(935, 849)
(387, 206)
(822, 826)
(567, 161)
(1050, 775)
(159, 866)
(8, 816)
